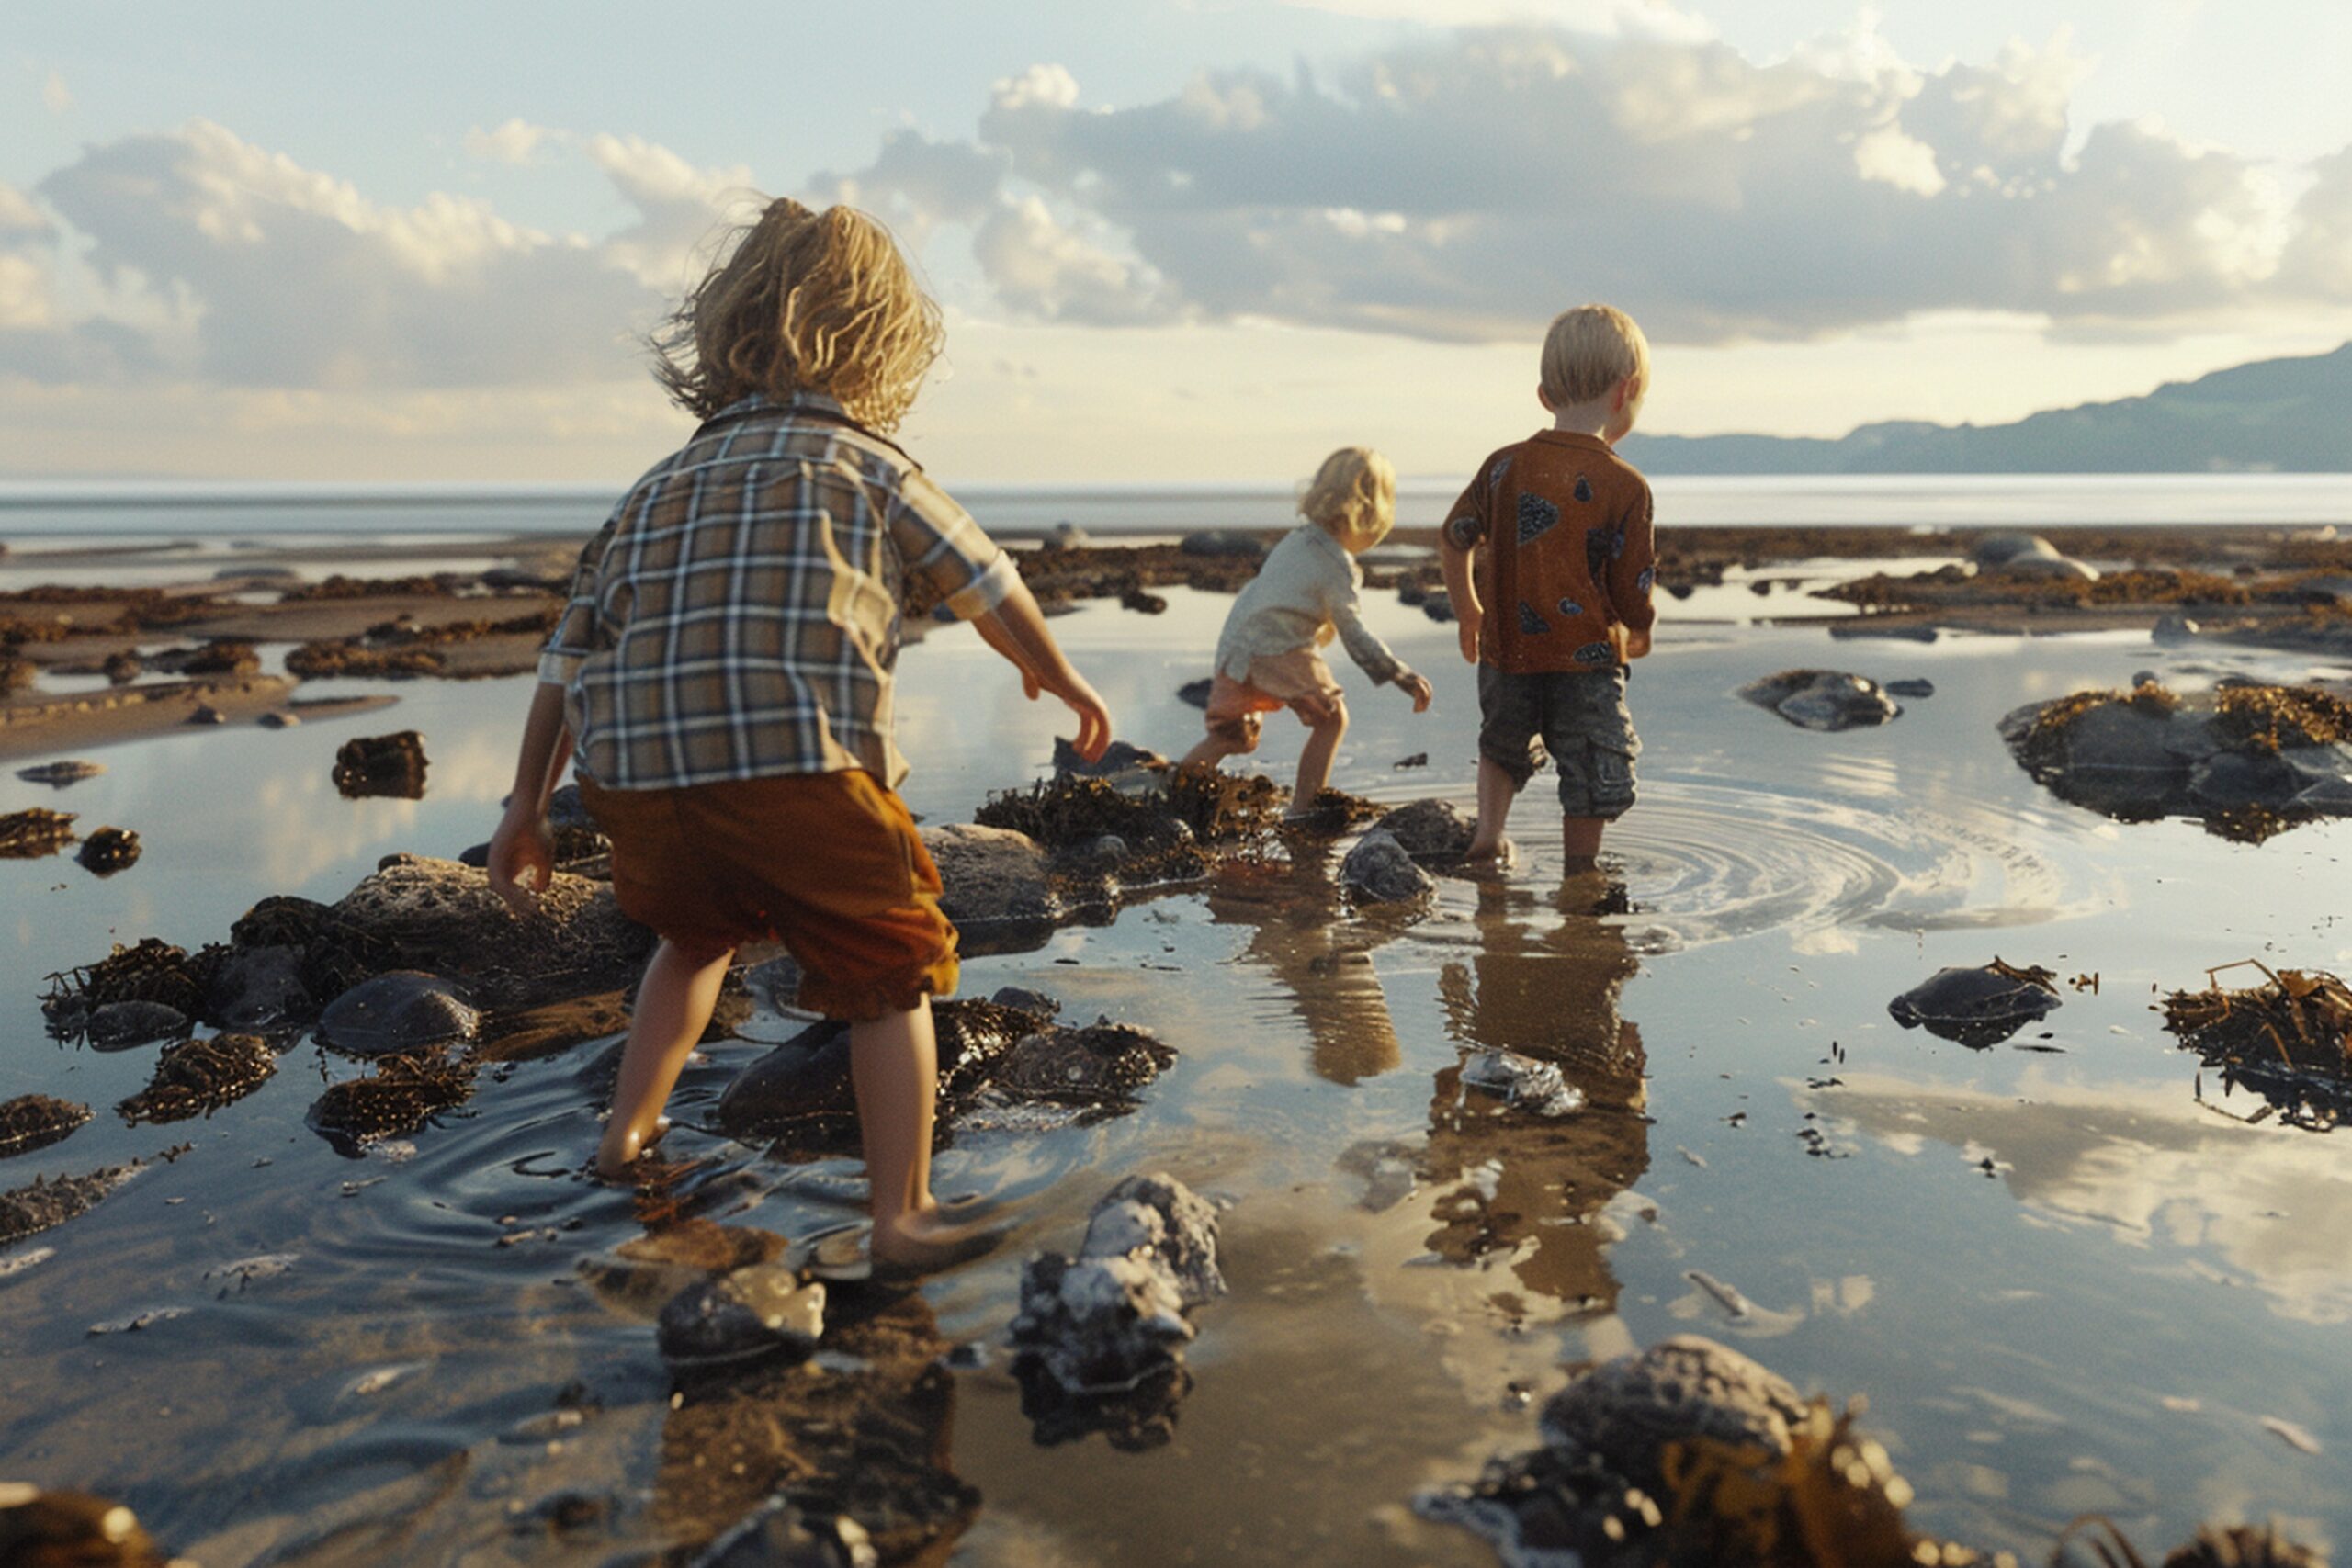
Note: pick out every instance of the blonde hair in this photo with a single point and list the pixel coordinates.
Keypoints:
(1352, 496)
(1588, 350)
(802, 301)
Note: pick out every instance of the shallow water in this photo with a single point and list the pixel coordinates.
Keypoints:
(2099, 1318)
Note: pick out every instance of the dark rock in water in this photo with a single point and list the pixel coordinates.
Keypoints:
(119, 1025)
(35, 832)
(753, 1314)
(1331, 812)
(801, 1092)
(41, 1205)
(2003, 549)
(403, 1011)
(397, 1097)
(151, 970)
(18, 673)
(381, 765)
(33, 1121)
(2175, 628)
(109, 849)
(1101, 1065)
(997, 889)
(1135, 599)
(122, 669)
(777, 1535)
(2248, 760)
(1379, 871)
(1977, 1007)
(1522, 1083)
(1418, 759)
(1022, 999)
(278, 719)
(1118, 759)
(1822, 699)
(1222, 542)
(438, 916)
(1914, 688)
(58, 775)
(73, 1529)
(198, 1077)
(1101, 1337)
(206, 714)
(1685, 1388)
(2060, 567)
(1195, 693)
(1432, 831)
(1438, 606)
(1064, 536)
(260, 988)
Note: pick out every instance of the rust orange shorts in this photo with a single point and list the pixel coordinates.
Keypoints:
(830, 864)
(1299, 680)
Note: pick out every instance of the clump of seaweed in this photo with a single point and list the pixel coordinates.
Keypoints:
(36, 1121)
(35, 832)
(397, 1097)
(1333, 812)
(2272, 717)
(2290, 1038)
(391, 766)
(150, 971)
(2223, 1546)
(1071, 810)
(1220, 808)
(441, 585)
(198, 1077)
(327, 660)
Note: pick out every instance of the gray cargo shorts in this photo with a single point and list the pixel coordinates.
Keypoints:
(1580, 716)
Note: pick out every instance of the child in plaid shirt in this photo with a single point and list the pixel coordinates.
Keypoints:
(722, 679)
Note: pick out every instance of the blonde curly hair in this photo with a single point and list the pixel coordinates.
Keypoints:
(802, 301)
(1352, 496)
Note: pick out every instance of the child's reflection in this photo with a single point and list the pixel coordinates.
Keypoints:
(1324, 963)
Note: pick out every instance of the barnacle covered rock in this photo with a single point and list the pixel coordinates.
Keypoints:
(1978, 1007)
(36, 1121)
(390, 766)
(397, 1097)
(198, 1077)
(34, 832)
(109, 849)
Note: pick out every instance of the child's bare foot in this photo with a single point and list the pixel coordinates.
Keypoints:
(1497, 855)
(910, 1247)
(622, 1148)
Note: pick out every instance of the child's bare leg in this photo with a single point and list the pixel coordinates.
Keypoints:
(1580, 842)
(1323, 739)
(1213, 749)
(673, 1006)
(1496, 790)
(894, 1065)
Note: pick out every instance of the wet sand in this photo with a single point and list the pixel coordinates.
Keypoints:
(2067, 1273)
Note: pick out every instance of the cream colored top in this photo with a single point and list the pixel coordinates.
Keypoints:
(1306, 589)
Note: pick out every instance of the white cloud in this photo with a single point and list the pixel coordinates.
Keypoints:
(1639, 18)
(680, 207)
(1045, 86)
(516, 141)
(55, 95)
(1037, 265)
(1890, 157)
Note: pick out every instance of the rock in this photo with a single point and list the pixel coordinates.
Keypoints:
(198, 1076)
(1100, 1066)
(41, 1204)
(122, 669)
(1378, 870)
(1064, 536)
(1438, 606)
(1625, 1411)
(1521, 1082)
(2002, 549)
(260, 988)
(1418, 759)
(1195, 693)
(996, 887)
(381, 765)
(1222, 542)
(278, 719)
(18, 673)
(206, 714)
(751, 1313)
(1432, 831)
(1825, 700)
(118, 1025)
(107, 851)
(2233, 781)
(73, 1529)
(35, 832)
(1022, 998)
(1135, 599)
(1159, 1217)
(33, 1121)
(442, 917)
(1914, 688)
(401, 1094)
(1118, 759)
(149, 970)
(1100, 1324)
(2325, 590)
(403, 1011)
(2061, 568)
(2174, 629)
(777, 1535)
(1977, 1007)
(58, 775)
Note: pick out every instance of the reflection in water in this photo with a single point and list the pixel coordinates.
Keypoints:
(2271, 1204)
(1544, 984)
(1324, 964)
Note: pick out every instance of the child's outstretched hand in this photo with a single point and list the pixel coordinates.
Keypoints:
(1093, 718)
(1418, 687)
(522, 859)
(1469, 632)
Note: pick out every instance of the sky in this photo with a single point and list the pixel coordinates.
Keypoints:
(1174, 240)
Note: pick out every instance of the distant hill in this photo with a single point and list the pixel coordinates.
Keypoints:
(2289, 416)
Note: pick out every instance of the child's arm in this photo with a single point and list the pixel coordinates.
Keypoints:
(1017, 630)
(522, 854)
(1463, 591)
(1631, 577)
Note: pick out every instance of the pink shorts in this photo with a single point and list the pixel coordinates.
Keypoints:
(1298, 680)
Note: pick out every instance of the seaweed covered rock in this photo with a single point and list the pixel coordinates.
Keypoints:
(1521, 1083)
(998, 887)
(1692, 1454)
(400, 1011)
(1378, 870)
(756, 1313)
(33, 1121)
(1101, 1336)
(117, 1026)
(1432, 832)
(109, 849)
(35, 832)
(18, 673)
(1823, 699)
(387, 765)
(2289, 1038)
(59, 775)
(1100, 1066)
(73, 1529)
(39, 1204)
(151, 970)
(441, 917)
(1978, 1007)
(2249, 760)
(397, 1097)
(196, 1078)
